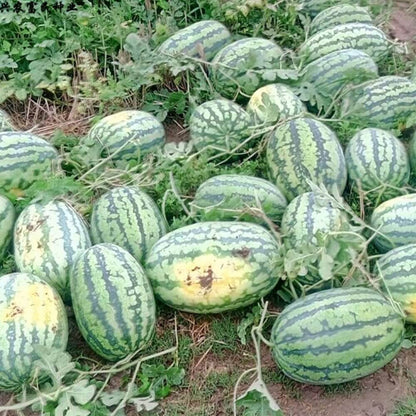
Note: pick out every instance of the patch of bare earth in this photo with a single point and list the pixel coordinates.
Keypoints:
(403, 22)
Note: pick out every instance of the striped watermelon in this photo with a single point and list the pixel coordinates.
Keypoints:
(231, 197)
(219, 124)
(213, 267)
(395, 222)
(32, 313)
(273, 103)
(25, 158)
(5, 122)
(412, 153)
(200, 40)
(330, 73)
(377, 162)
(129, 218)
(313, 7)
(364, 37)
(113, 301)
(124, 137)
(320, 245)
(397, 272)
(47, 240)
(7, 217)
(339, 14)
(336, 336)
(309, 217)
(303, 150)
(387, 102)
(244, 66)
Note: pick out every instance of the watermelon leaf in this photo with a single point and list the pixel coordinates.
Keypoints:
(79, 393)
(258, 401)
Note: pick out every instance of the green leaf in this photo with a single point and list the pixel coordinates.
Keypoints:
(407, 344)
(326, 265)
(112, 398)
(144, 403)
(55, 363)
(250, 319)
(67, 408)
(257, 401)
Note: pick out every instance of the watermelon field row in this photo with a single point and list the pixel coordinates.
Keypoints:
(284, 213)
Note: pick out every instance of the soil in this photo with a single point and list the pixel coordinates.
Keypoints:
(403, 23)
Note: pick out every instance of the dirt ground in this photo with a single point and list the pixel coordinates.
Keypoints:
(403, 22)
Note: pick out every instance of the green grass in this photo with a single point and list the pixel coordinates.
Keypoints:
(406, 407)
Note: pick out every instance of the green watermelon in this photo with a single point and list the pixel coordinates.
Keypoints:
(397, 272)
(338, 15)
(232, 197)
(7, 217)
(5, 122)
(336, 335)
(113, 301)
(313, 7)
(129, 218)
(25, 158)
(32, 313)
(377, 163)
(124, 137)
(273, 103)
(309, 217)
(364, 37)
(212, 267)
(320, 246)
(221, 125)
(245, 65)
(47, 240)
(388, 102)
(200, 40)
(303, 150)
(395, 222)
(326, 76)
(412, 153)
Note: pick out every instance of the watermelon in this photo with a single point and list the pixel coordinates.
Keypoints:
(230, 197)
(397, 272)
(329, 74)
(5, 122)
(388, 102)
(32, 313)
(7, 217)
(320, 246)
(25, 158)
(213, 267)
(47, 240)
(113, 301)
(337, 335)
(220, 125)
(124, 137)
(412, 153)
(308, 217)
(377, 162)
(395, 222)
(129, 218)
(200, 40)
(245, 65)
(361, 36)
(273, 103)
(313, 7)
(303, 150)
(338, 15)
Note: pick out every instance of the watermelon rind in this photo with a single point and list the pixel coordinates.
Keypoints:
(336, 335)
